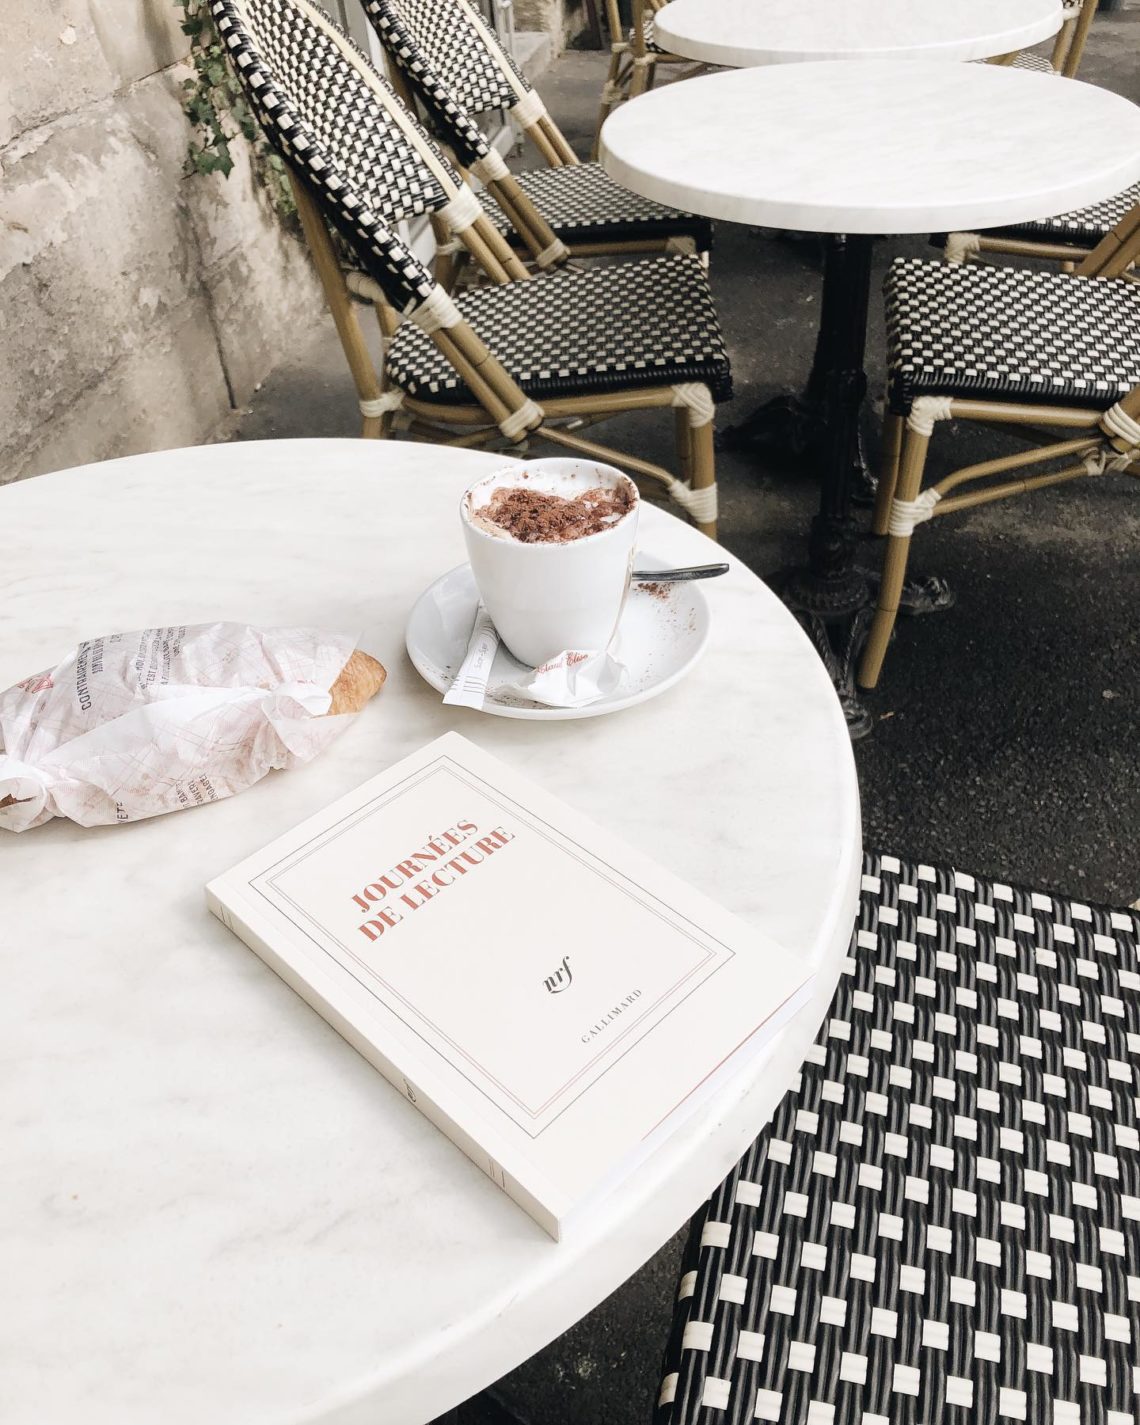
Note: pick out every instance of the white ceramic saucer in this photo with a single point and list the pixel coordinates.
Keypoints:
(663, 631)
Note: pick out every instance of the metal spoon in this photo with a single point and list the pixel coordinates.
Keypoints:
(674, 576)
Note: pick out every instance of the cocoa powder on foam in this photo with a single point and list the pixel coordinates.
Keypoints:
(535, 517)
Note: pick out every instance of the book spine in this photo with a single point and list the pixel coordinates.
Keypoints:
(367, 1048)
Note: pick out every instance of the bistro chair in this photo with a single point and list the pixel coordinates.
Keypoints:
(634, 57)
(942, 1222)
(1071, 235)
(1068, 238)
(454, 64)
(1052, 356)
(473, 370)
(1068, 47)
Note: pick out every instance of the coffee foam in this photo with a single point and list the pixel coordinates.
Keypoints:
(568, 484)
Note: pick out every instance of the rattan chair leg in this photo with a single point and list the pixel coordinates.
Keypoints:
(496, 390)
(1117, 250)
(610, 87)
(535, 232)
(567, 158)
(683, 431)
(492, 252)
(704, 467)
(501, 249)
(893, 428)
(1023, 247)
(444, 267)
(912, 464)
(546, 149)
(1061, 45)
(368, 384)
(474, 376)
(1079, 36)
(639, 82)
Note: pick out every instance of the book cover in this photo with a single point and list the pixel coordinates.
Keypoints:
(546, 994)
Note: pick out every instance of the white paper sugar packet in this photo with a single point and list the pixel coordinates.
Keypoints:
(573, 678)
(469, 686)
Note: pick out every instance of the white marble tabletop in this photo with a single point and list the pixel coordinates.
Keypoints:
(214, 1211)
(747, 32)
(875, 147)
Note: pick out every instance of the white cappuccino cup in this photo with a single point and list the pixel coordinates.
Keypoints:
(547, 596)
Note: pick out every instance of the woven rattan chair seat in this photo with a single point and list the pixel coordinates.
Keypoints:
(583, 204)
(1038, 62)
(1009, 333)
(942, 1222)
(615, 328)
(1083, 226)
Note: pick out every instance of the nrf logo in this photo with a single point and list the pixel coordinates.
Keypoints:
(561, 978)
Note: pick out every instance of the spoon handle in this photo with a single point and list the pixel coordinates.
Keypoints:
(674, 576)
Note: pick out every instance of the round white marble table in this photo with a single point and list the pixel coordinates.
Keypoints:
(861, 149)
(213, 1209)
(875, 147)
(747, 32)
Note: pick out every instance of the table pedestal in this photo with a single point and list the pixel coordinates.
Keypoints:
(832, 597)
(793, 424)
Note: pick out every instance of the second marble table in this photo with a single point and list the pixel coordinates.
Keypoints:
(739, 33)
(863, 149)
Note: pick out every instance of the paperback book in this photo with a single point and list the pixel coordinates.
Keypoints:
(544, 993)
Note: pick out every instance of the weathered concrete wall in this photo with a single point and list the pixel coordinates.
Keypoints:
(558, 19)
(137, 306)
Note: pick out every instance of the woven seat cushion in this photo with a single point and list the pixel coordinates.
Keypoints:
(1009, 333)
(1083, 226)
(583, 204)
(942, 1223)
(631, 325)
(1028, 60)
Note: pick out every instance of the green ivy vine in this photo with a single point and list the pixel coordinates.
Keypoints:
(215, 105)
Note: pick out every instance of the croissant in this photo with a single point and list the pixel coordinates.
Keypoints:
(361, 678)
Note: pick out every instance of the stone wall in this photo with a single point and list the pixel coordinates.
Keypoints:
(138, 306)
(558, 19)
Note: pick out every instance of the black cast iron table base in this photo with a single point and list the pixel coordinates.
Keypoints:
(831, 597)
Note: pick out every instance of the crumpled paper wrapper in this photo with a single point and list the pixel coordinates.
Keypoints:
(574, 679)
(136, 724)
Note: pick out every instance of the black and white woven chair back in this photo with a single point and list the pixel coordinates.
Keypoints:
(341, 127)
(942, 1224)
(442, 101)
(452, 39)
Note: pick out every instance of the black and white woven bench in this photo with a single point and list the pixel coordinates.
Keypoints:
(942, 1223)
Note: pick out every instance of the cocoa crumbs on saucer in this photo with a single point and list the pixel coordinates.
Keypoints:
(657, 590)
(536, 517)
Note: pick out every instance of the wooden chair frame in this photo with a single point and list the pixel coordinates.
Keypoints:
(330, 189)
(535, 237)
(633, 65)
(1101, 441)
(504, 414)
(1069, 46)
(1068, 50)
